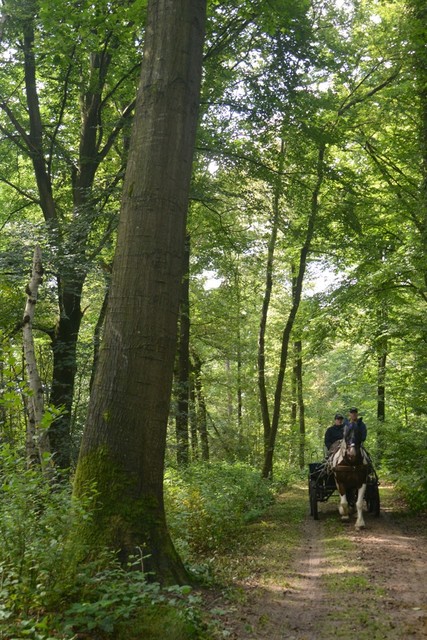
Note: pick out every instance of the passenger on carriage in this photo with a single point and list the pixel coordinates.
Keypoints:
(335, 433)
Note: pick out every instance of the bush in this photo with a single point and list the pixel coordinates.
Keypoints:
(207, 504)
(405, 458)
(48, 588)
(36, 516)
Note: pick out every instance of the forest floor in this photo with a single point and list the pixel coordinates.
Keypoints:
(297, 578)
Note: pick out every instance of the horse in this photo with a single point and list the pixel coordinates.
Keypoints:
(349, 464)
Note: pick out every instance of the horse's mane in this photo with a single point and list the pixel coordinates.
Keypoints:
(352, 435)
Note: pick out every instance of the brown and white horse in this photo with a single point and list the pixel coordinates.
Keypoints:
(349, 464)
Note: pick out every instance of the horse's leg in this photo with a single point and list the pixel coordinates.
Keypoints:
(343, 508)
(360, 523)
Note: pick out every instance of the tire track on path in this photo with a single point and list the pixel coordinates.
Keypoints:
(367, 585)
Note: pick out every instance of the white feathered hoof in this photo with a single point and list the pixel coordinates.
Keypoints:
(343, 509)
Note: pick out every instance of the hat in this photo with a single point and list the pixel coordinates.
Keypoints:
(352, 410)
(339, 415)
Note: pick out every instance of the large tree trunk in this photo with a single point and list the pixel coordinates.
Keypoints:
(124, 440)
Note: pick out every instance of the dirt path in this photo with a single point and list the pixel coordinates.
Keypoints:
(336, 583)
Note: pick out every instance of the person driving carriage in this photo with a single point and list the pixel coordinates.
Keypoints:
(357, 423)
(335, 433)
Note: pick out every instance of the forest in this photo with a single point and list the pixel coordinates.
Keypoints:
(213, 237)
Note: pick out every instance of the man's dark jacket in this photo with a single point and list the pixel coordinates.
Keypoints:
(333, 433)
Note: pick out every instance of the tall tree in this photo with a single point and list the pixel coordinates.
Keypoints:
(124, 440)
(267, 470)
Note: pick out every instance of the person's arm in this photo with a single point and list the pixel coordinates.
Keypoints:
(363, 430)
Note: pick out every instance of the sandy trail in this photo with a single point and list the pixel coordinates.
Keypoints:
(382, 572)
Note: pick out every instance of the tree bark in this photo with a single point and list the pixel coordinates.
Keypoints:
(262, 384)
(183, 373)
(124, 440)
(202, 415)
(37, 441)
(301, 407)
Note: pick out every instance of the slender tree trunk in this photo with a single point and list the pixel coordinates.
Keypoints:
(382, 359)
(267, 471)
(262, 384)
(37, 441)
(229, 392)
(193, 416)
(97, 336)
(381, 349)
(3, 412)
(202, 415)
(239, 366)
(301, 407)
(183, 373)
(239, 392)
(124, 440)
(64, 348)
(294, 399)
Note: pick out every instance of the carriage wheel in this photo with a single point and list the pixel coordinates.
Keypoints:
(374, 502)
(314, 511)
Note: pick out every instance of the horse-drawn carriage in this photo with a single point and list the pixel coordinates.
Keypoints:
(349, 470)
(321, 485)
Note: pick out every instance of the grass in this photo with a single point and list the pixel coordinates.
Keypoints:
(267, 546)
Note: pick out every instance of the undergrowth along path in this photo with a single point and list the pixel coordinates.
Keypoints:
(295, 578)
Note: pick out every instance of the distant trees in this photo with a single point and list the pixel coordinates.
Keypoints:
(282, 84)
(65, 104)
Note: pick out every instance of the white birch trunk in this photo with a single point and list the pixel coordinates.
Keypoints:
(37, 441)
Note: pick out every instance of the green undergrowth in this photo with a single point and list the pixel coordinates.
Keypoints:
(404, 461)
(208, 506)
(48, 592)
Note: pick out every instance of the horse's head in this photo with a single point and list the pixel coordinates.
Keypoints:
(352, 439)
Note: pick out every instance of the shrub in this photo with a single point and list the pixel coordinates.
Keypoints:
(207, 504)
(405, 460)
(48, 589)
